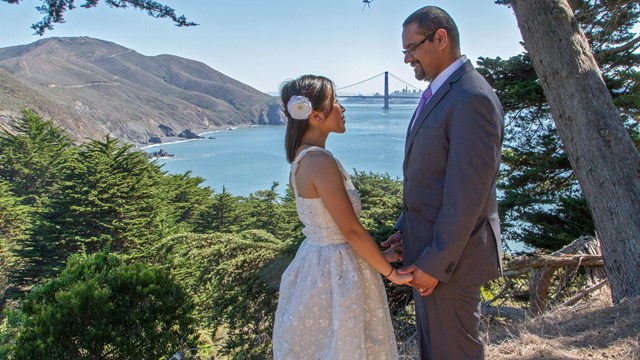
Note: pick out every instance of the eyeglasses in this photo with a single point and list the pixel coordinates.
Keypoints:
(417, 45)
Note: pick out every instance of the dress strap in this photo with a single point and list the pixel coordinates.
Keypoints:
(296, 163)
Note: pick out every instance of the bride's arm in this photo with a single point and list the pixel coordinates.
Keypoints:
(319, 173)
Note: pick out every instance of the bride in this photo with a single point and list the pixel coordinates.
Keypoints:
(332, 303)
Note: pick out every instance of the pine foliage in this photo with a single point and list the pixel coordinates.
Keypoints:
(228, 252)
(101, 308)
(33, 155)
(14, 227)
(184, 202)
(106, 196)
(381, 199)
(33, 152)
(541, 203)
(53, 11)
(233, 279)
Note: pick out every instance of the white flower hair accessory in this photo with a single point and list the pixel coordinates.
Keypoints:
(299, 107)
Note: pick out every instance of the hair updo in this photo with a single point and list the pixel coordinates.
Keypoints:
(318, 89)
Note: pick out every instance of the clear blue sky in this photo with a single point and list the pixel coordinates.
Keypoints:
(262, 43)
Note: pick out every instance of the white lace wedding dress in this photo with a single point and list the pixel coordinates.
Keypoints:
(332, 304)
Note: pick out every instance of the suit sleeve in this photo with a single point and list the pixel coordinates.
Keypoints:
(475, 138)
(399, 222)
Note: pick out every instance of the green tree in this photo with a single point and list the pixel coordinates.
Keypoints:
(292, 226)
(542, 203)
(33, 152)
(33, 155)
(233, 279)
(381, 199)
(184, 201)
(101, 308)
(602, 154)
(108, 195)
(222, 213)
(264, 212)
(53, 11)
(10, 325)
(14, 226)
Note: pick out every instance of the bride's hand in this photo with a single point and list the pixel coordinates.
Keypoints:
(393, 253)
(399, 279)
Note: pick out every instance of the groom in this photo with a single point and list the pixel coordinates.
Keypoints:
(449, 224)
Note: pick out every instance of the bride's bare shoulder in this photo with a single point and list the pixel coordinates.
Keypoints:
(318, 159)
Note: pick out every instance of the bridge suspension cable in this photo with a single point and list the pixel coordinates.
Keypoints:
(360, 82)
(375, 76)
(404, 82)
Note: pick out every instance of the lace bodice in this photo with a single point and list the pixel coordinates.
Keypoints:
(318, 225)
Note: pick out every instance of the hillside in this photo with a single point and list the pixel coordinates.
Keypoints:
(93, 88)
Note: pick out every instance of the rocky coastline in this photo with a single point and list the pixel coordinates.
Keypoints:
(190, 135)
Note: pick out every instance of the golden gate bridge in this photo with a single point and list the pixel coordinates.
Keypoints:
(365, 90)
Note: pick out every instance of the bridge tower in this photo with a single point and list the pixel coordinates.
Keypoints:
(386, 90)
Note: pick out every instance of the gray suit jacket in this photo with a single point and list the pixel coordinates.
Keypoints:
(450, 223)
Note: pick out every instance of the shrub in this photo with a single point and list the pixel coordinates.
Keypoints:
(101, 308)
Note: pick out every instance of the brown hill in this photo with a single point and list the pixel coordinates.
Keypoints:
(93, 88)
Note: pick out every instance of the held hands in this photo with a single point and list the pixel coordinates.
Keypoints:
(421, 281)
(396, 238)
(394, 244)
(399, 279)
(393, 253)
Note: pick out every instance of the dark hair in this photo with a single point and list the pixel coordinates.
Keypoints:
(313, 87)
(432, 18)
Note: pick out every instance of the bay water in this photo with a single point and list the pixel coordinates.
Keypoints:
(247, 159)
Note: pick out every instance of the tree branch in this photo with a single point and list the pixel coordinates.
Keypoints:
(619, 49)
(583, 293)
(53, 11)
(550, 261)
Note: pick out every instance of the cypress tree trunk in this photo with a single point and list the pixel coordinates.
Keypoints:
(602, 154)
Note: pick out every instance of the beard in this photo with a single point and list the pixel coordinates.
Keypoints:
(419, 72)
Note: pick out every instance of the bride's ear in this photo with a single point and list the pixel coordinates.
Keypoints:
(316, 116)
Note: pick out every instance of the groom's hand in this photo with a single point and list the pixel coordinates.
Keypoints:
(393, 253)
(396, 238)
(422, 282)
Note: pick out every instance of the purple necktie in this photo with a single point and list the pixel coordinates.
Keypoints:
(423, 100)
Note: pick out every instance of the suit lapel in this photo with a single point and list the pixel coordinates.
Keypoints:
(431, 104)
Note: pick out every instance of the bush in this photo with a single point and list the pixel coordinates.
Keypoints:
(233, 279)
(101, 308)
